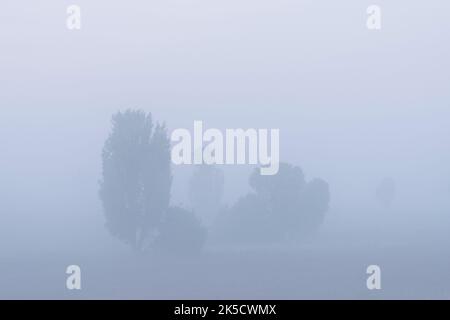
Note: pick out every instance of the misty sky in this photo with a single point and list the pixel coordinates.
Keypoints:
(353, 106)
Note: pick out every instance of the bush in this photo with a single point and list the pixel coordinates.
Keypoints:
(180, 232)
(283, 206)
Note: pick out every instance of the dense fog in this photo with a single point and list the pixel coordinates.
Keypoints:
(364, 127)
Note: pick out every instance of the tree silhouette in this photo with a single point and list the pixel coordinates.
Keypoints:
(281, 194)
(281, 206)
(314, 203)
(136, 177)
(180, 233)
(206, 191)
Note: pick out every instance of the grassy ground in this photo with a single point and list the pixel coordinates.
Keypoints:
(308, 272)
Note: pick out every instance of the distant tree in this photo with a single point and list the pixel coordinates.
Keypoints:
(314, 204)
(280, 193)
(249, 220)
(136, 177)
(205, 192)
(285, 184)
(281, 206)
(385, 192)
(180, 233)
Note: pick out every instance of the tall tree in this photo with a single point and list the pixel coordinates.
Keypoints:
(136, 177)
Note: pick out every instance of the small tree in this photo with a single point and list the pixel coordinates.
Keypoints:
(282, 206)
(314, 203)
(180, 233)
(206, 191)
(280, 193)
(136, 177)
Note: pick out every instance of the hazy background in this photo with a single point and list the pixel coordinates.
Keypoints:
(353, 106)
